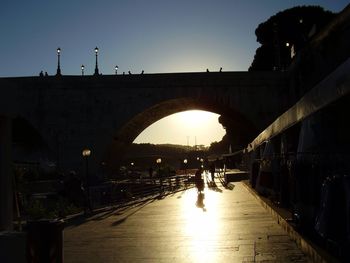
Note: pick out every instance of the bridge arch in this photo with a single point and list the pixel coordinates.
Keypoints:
(130, 130)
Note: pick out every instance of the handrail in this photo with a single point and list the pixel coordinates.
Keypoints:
(333, 87)
(132, 190)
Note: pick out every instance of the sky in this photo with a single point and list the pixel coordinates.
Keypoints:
(184, 128)
(156, 36)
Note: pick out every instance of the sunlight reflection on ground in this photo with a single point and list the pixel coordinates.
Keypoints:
(201, 224)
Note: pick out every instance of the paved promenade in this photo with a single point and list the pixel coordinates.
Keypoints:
(231, 227)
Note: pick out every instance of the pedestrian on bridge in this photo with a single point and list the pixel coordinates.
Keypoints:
(198, 180)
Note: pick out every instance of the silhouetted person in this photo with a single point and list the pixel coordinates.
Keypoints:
(198, 180)
(220, 69)
(123, 72)
(142, 72)
(207, 70)
(212, 171)
(41, 74)
(129, 72)
(46, 75)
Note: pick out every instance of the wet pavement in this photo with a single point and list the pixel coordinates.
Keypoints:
(230, 226)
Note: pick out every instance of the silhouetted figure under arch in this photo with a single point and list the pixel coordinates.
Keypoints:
(198, 180)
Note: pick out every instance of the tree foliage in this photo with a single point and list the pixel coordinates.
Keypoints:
(294, 26)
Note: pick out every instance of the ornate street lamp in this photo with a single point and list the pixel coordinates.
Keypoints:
(159, 161)
(116, 69)
(132, 171)
(58, 73)
(185, 165)
(202, 165)
(86, 153)
(82, 70)
(96, 64)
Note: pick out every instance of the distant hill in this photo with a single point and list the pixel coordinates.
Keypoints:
(148, 149)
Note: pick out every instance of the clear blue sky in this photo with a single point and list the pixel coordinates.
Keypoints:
(153, 35)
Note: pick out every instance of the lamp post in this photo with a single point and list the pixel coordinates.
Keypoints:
(58, 72)
(86, 153)
(159, 161)
(132, 170)
(96, 64)
(116, 69)
(82, 70)
(185, 165)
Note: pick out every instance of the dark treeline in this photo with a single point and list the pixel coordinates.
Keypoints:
(294, 26)
(144, 155)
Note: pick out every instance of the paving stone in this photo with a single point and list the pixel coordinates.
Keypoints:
(233, 227)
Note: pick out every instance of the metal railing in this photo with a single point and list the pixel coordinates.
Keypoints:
(135, 190)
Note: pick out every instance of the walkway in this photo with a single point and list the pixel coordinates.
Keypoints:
(231, 227)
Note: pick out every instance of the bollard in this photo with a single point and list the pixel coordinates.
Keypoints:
(45, 241)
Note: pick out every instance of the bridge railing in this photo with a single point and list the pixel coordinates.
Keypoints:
(128, 191)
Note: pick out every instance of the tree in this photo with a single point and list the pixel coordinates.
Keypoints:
(287, 30)
(239, 132)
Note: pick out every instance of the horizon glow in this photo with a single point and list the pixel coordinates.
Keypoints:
(194, 127)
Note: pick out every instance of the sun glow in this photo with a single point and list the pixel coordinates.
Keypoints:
(192, 127)
(202, 224)
(194, 118)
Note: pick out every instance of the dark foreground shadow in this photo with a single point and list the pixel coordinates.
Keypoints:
(213, 186)
(115, 211)
(125, 217)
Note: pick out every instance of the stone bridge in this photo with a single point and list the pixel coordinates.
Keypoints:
(65, 114)
(62, 115)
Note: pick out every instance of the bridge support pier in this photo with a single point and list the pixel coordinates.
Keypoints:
(6, 183)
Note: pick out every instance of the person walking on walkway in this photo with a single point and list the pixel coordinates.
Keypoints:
(212, 171)
(198, 180)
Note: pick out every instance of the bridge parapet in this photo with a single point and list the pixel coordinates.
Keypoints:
(73, 112)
